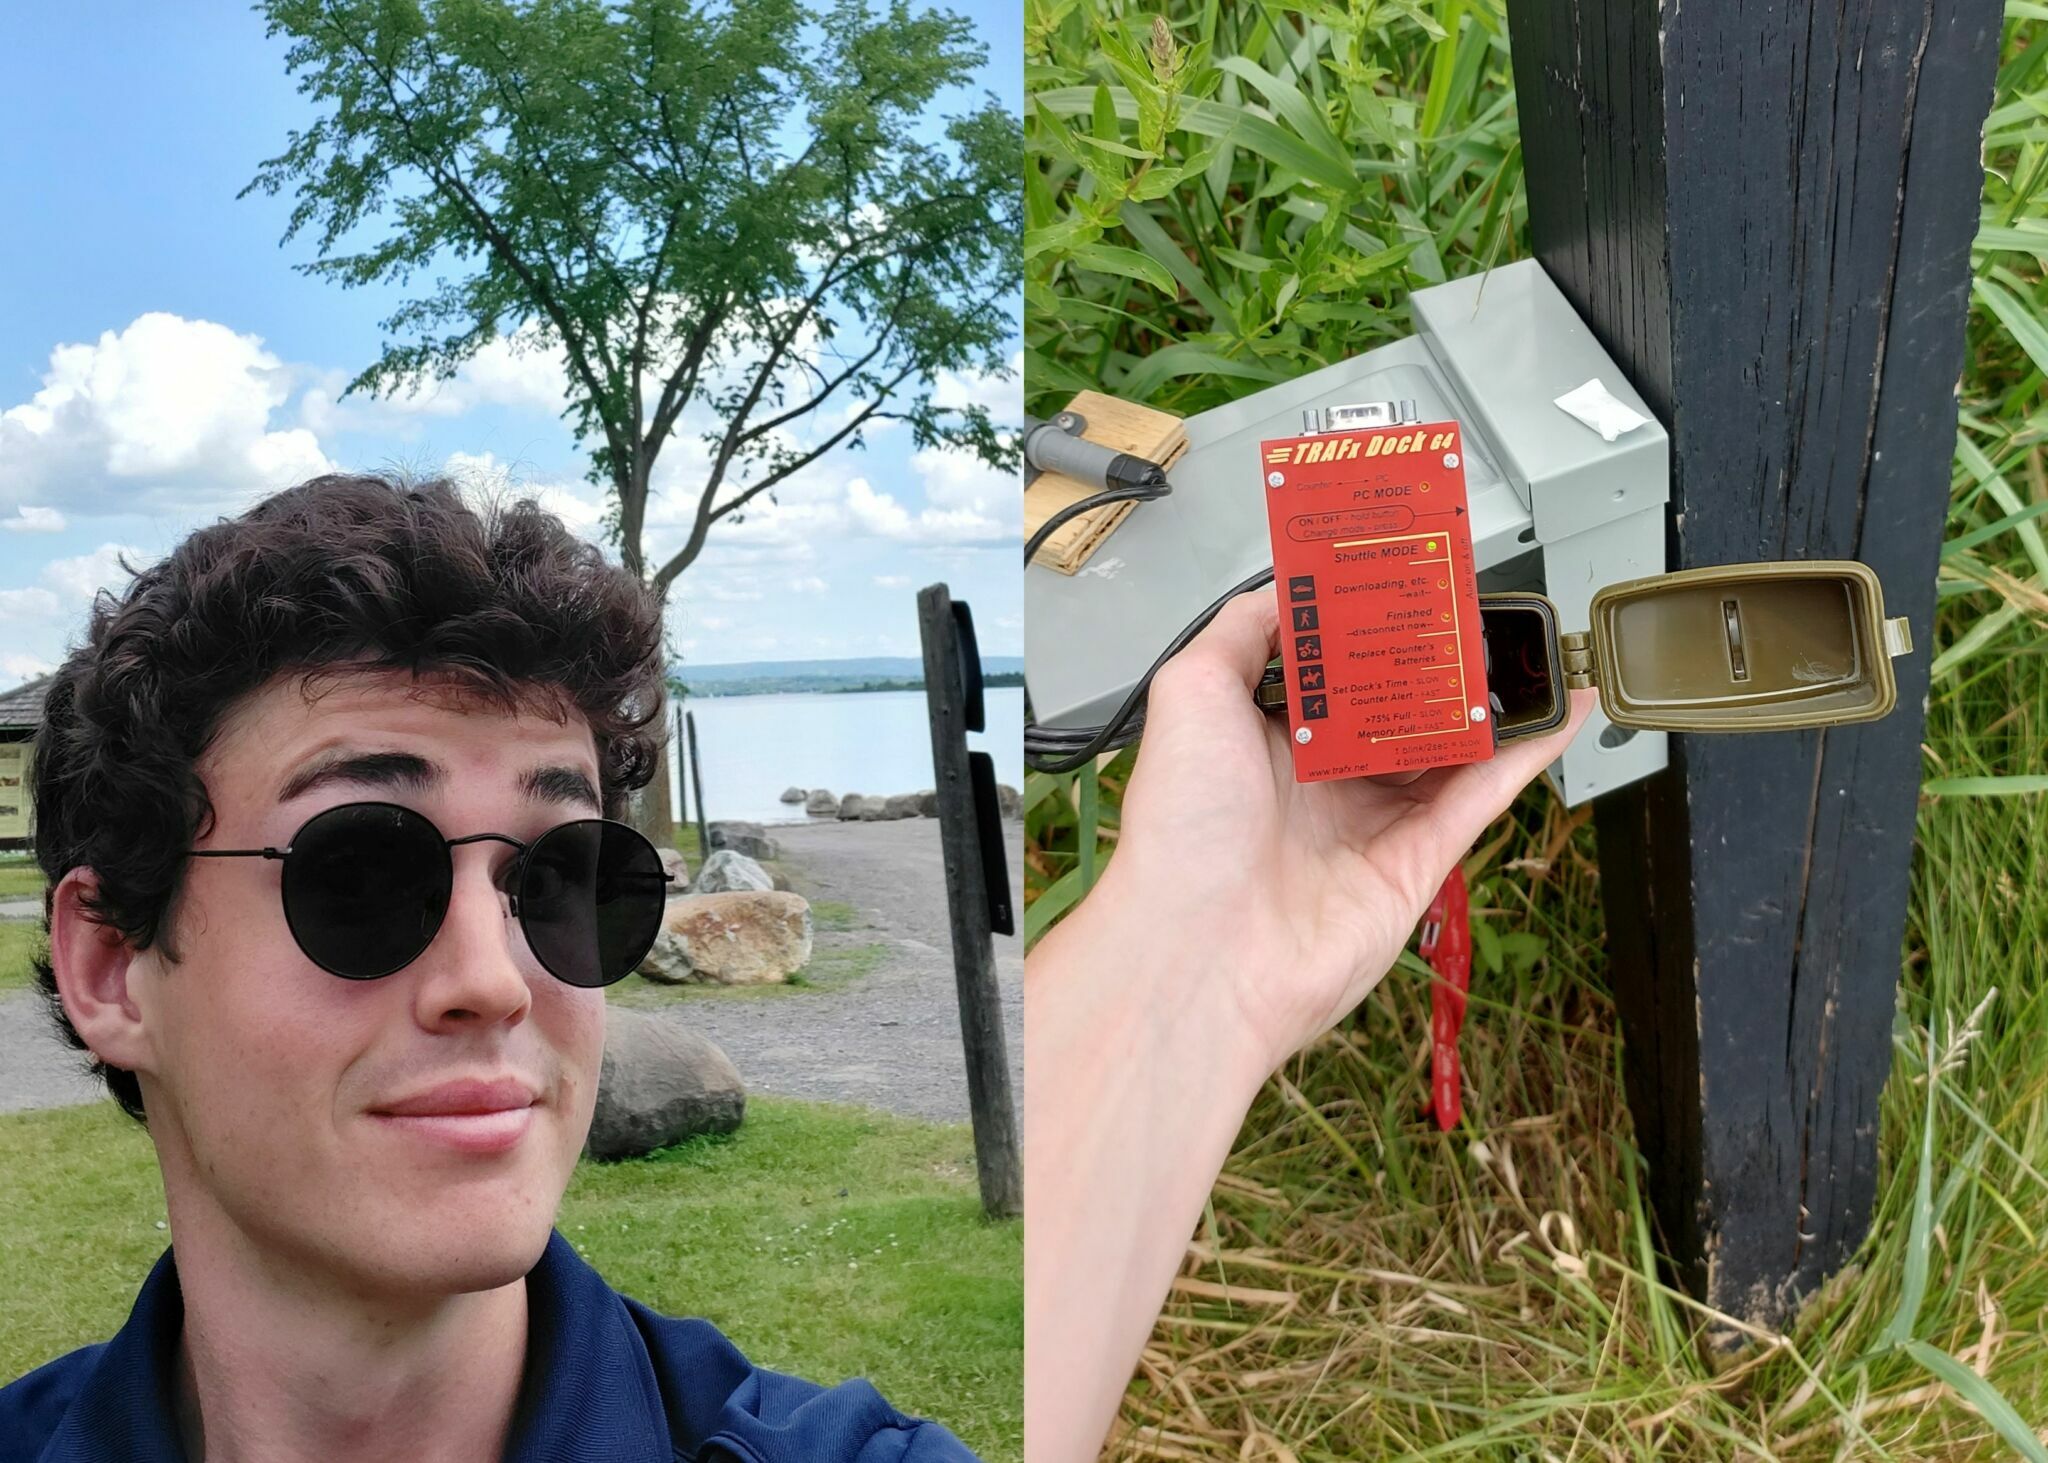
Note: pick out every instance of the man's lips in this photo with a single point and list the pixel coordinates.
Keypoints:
(469, 1116)
(464, 1098)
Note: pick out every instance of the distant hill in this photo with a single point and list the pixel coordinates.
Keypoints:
(868, 673)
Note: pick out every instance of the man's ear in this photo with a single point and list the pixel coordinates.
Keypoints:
(94, 967)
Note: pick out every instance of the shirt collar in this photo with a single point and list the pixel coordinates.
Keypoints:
(588, 1395)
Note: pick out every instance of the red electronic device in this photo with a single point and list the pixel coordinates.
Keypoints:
(1379, 600)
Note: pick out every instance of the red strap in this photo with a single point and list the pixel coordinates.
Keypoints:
(1447, 945)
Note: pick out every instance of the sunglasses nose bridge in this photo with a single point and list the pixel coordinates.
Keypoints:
(510, 882)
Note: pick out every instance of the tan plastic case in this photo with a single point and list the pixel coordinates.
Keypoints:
(1735, 647)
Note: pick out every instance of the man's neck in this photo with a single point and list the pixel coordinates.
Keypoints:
(302, 1370)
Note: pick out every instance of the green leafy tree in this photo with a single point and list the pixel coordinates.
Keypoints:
(737, 211)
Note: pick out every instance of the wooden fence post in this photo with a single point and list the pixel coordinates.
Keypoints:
(998, 1153)
(697, 781)
(683, 766)
(1765, 215)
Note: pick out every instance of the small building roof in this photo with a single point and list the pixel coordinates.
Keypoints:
(23, 706)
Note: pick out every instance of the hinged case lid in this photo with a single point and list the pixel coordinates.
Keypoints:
(1741, 647)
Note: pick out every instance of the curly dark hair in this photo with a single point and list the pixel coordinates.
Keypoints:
(341, 570)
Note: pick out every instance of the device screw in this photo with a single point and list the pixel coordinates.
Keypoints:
(1479, 713)
(1304, 736)
(1450, 459)
(1274, 479)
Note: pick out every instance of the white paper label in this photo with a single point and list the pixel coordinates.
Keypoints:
(1601, 410)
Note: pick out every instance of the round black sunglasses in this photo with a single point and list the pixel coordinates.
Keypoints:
(366, 886)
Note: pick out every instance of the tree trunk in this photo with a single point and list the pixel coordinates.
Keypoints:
(651, 810)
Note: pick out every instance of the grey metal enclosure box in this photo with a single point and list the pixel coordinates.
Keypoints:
(1555, 507)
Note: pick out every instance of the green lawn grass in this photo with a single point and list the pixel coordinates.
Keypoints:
(1496, 1293)
(19, 939)
(831, 969)
(826, 1241)
(21, 881)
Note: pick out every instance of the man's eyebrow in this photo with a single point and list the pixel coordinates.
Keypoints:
(409, 772)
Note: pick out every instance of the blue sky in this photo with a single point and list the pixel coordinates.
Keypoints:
(162, 365)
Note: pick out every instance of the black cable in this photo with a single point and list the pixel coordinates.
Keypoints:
(1062, 749)
(1138, 492)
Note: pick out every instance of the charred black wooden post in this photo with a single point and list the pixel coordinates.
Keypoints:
(998, 1152)
(697, 780)
(1765, 214)
(683, 781)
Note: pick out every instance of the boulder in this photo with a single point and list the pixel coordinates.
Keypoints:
(747, 838)
(822, 803)
(928, 804)
(872, 810)
(672, 863)
(747, 937)
(903, 805)
(795, 794)
(850, 806)
(660, 1083)
(667, 961)
(1009, 800)
(726, 871)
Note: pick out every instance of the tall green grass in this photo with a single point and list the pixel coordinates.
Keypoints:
(1252, 196)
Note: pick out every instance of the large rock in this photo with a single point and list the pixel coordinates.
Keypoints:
(822, 803)
(672, 863)
(747, 838)
(660, 1084)
(902, 805)
(928, 804)
(726, 871)
(850, 806)
(795, 794)
(667, 961)
(1009, 800)
(749, 937)
(872, 810)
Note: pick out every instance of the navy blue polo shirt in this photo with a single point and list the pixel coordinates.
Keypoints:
(607, 1380)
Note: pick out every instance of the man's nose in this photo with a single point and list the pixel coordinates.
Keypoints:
(476, 971)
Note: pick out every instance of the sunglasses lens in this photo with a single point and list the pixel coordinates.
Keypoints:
(591, 898)
(365, 888)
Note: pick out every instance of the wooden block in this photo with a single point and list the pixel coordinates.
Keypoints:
(1156, 436)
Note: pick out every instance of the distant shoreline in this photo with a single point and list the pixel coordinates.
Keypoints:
(824, 685)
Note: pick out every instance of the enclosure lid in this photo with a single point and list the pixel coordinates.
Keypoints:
(1741, 647)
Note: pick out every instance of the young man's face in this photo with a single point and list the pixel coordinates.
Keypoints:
(272, 1078)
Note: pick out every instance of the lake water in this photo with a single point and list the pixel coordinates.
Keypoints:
(870, 742)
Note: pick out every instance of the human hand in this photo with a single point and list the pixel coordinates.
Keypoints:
(1299, 896)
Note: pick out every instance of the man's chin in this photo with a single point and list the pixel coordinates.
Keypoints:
(458, 1258)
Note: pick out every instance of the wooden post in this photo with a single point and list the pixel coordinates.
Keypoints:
(998, 1154)
(683, 765)
(1765, 215)
(697, 781)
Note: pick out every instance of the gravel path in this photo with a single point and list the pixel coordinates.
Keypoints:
(36, 1069)
(890, 1039)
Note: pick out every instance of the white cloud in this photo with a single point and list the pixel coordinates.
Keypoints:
(883, 517)
(700, 587)
(79, 579)
(809, 584)
(1003, 396)
(483, 478)
(19, 668)
(166, 410)
(893, 581)
(34, 520)
(27, 604)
